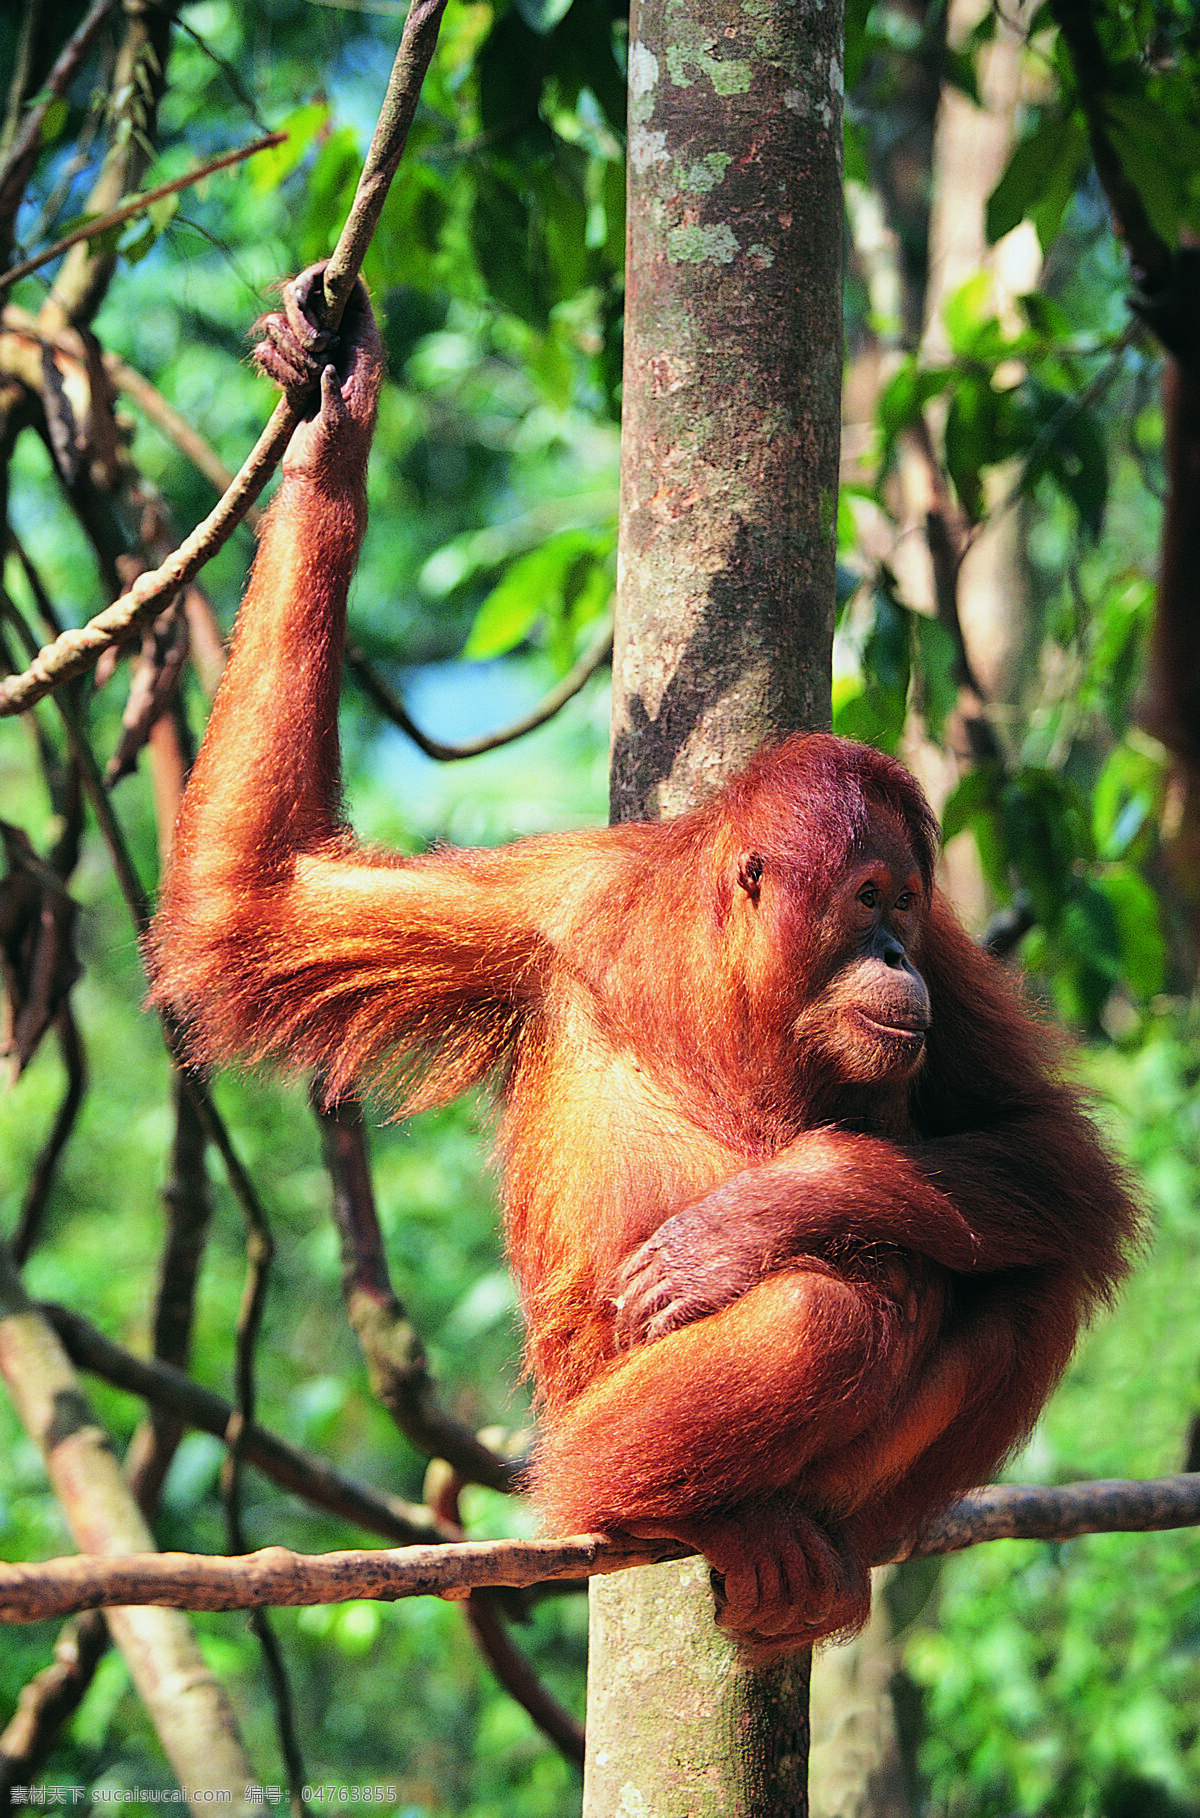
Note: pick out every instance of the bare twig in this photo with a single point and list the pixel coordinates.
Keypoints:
(50, 1698)
(514, 1672)
(417, 44)
(260, 1250)
(309, 1477)
(277, 1576)
(1061, 1512)
(77, 650)
(206, 461)
(395, 1357)
(70, 344)
(485, 1619)
(173, 424)
(136, 899)
(1008, 927)
(188, 1206)
(393, 708)
(41, 1175)
(136, 82)
(138, 905)
(946, 535)
(100, 224)
(27, 142)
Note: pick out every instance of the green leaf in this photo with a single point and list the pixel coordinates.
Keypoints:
(959, 71)
(966, 310)
(858, 42)
(876, 713)
(613, 198)
(1040, 174)
(1023, 178)
(1088, 939)
(971, 439)
(973, 795)
(856, 164)
(147, 228)
(1046, 317)
(1061, 184)
(863, 713)
(511, 64)
(974, 804)
(937, 657)
(268, 169)
(542, 16)
(1070, 451)
(1047, 832)
(562, 219)
(500, 239)
(1143, 947)
(905, 396)
(1127, 801)
(328, 191)
(546, 582)
(1159, 148)
(54, 119)
(409, 234)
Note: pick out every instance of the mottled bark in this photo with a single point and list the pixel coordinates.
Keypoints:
(732, 386)
(675, 1726)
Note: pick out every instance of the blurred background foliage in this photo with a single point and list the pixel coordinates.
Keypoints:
(999, 531)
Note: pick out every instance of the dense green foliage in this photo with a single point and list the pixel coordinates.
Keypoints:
(1060, 1680)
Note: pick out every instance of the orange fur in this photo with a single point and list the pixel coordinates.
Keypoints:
(795, 1267)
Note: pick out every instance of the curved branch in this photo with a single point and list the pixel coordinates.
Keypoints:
(395, 1357)
(48, 1701)
(277, 1576)
(77, 650)
(485, 1619)
(514, 1672)
(393, 708)
(42, 1173)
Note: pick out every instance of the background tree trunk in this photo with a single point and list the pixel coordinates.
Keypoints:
(724, 633)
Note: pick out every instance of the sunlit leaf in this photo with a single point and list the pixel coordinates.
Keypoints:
(1142, 944)
(547, 581)
(268, 169)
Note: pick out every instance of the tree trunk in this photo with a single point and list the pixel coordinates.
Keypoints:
(724, 634)
(675, 1727)
(733, 351)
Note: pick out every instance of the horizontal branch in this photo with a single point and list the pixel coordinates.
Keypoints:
(1022, 1511)
(277, 1576)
